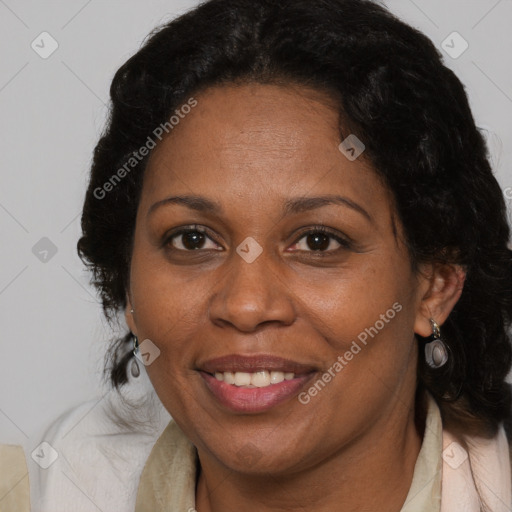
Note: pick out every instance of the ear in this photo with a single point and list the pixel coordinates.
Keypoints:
(442, 286)
(128, 315)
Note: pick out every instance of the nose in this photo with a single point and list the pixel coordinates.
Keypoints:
(250, 295)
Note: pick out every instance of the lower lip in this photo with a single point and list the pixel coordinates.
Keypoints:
(252, 400)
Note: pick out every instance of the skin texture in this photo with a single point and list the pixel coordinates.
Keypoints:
(251, 148)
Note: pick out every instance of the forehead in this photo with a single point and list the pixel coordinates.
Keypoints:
(262, 142)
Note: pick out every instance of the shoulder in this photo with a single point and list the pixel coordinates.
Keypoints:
(169, 477)
(14, 484)
(92, 456)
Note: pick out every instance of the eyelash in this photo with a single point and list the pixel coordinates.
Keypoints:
(319, 229)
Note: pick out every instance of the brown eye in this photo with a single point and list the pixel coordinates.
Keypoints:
(318, 241)
(190, 239)
(193, 240)
(321, 240)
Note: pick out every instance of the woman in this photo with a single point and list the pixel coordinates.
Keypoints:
(293, 208)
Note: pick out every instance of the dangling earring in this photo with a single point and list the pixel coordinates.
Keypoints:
(135, 369)
(436, 352)
(135, 345)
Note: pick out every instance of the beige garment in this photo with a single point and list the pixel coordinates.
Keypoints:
(488, 463)
(169, 477)
(168, 480)
(14, 486)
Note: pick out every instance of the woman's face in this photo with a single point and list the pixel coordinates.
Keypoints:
(255, 293)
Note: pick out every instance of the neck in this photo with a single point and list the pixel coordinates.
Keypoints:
(375, 472)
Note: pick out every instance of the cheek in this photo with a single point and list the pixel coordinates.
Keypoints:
(171, 314)
(168, 308)
(364, 331)
(352, 300)
(367, 318)
(377, 338)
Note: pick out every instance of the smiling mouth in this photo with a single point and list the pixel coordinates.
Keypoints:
(259, 379)
(254, 384)
(248, 398)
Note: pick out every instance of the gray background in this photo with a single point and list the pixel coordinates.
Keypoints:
(53, 336)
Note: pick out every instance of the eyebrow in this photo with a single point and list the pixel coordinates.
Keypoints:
(301, 204)
(291, 206)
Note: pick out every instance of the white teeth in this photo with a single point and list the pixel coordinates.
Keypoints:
(242, 379)
(229, 378)
(260, 379)
(276, 377)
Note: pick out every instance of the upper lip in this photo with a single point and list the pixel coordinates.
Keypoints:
(254, 363)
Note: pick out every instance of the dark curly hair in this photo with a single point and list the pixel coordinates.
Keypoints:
(396, 95)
